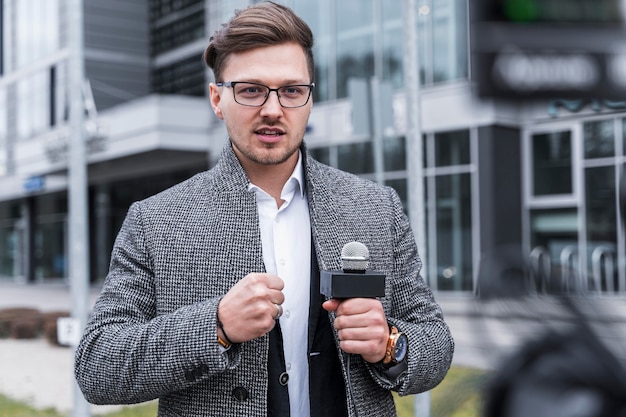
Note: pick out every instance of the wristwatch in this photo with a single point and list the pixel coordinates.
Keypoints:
(397, 348)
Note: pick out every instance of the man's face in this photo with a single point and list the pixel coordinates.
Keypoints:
(270, 134)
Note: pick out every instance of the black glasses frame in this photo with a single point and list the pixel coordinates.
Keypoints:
(232, 85)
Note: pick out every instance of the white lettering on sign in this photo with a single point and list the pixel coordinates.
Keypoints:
(527, 73)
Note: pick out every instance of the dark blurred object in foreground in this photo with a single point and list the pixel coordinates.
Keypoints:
(561, 374)
(566, 371)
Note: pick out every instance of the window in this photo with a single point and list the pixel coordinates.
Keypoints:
(11, 237)
(453, 202)
(393, 51)
(317, 14)
(355, 42)
(452, 148)
(177, 33)
(3, 133)
(37, 30)
(449, 23)
(162, 8)
(552, 163)
(448, 187)
(394, 154)
(183, 77)
(321, 154)
(601, 228)
(599, 139)
(2, 36)
(443, 28)
(33, 104)
(357, 158)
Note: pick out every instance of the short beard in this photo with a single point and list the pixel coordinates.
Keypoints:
(263, 158)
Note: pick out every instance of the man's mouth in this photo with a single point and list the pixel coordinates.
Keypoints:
(269, 135)
(266, 132)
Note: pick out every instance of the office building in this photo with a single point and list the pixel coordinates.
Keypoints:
(506, 185)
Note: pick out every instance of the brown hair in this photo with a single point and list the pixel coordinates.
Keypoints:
(265, 24)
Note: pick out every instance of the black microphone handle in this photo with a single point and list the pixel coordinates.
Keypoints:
(344, 284)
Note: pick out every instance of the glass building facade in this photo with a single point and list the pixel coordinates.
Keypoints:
(542, 179)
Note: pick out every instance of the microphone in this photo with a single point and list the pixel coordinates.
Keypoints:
(354, 281)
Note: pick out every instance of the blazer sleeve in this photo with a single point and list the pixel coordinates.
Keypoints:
(410, 306)
(129, 353)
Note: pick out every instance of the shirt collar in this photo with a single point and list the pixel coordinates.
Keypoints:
(295, 181)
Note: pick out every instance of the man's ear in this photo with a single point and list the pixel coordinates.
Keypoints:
(215, 97)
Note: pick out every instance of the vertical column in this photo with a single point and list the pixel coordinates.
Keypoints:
(415, 158)
(77, 187)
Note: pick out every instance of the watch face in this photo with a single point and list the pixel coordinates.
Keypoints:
(401, 348)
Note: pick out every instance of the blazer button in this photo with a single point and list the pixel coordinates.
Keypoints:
(283, 379)
(240, 394)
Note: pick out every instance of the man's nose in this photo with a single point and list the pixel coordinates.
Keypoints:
(272, 104)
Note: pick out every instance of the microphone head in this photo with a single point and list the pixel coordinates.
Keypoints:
(355, 257)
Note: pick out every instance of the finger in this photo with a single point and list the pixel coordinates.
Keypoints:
(331, 305)
(279, 311)
(271, 281)
(354, 306)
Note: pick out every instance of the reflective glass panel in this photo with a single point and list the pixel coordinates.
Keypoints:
(357, 158)
(601, 219)
(552, 163)
(449, 26)
(10, 240)
(454, 232)
(33, 104)
(50, 258)
(355, 42)
(37, 30)
(3, 132)
(316, 14)
(394, 154)
(452, 148)
(321, 154)
(599, 139)
(393, 45)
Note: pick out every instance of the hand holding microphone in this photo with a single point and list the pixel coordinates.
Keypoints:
(251, 307)
(360, 319)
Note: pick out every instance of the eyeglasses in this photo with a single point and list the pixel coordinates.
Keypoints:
(255, 95)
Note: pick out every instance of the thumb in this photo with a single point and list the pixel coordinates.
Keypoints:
(331, 305)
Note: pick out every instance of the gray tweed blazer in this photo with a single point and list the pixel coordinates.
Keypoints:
(152, 332)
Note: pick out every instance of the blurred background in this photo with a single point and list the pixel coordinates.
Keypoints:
(500, 123)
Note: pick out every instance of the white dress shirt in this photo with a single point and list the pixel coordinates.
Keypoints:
(286, 240)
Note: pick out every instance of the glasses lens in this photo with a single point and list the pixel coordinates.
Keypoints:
(250, 94)
(255, 95)
(294, 95)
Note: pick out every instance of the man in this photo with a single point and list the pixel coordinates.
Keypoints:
(212, 303)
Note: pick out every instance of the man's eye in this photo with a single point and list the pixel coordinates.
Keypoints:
(292, 90)
(251, 90)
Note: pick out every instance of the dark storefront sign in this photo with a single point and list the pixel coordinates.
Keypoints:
(548, 49)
